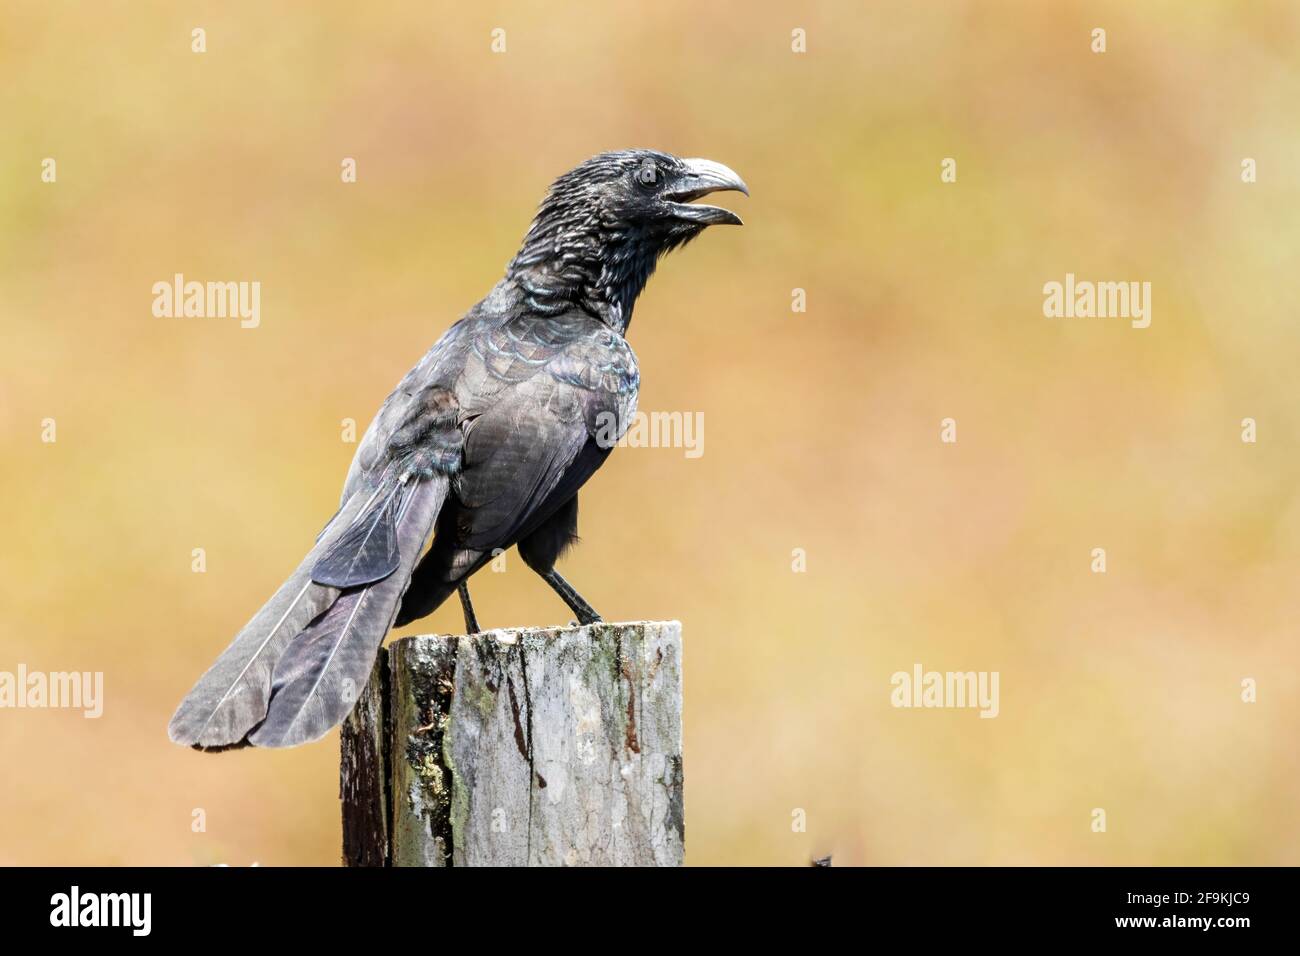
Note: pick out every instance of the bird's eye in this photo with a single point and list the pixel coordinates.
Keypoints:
(647, 174)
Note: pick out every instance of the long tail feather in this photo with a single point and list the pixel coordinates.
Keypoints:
(232, 697)
(317, 679)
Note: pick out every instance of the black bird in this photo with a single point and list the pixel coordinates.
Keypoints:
(484, 443)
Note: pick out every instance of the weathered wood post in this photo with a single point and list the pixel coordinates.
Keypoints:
(520, 747)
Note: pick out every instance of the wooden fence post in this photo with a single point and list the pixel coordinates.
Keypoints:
(519, 747)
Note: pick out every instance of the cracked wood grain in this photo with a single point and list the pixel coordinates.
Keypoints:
(363, 773)
(536, 747)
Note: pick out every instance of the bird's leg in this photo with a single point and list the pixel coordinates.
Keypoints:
(586, 613)
(471, 622)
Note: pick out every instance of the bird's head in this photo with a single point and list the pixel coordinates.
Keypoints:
(603, 226)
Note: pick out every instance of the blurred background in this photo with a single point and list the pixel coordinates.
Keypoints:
(1119, 691)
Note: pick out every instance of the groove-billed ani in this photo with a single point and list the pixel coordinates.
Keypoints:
(485, 443)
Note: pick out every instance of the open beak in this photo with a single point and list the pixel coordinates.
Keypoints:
(701, 177)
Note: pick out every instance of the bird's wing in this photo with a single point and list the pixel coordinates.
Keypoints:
(540, 391)
(416, 432)
(424, 442)
(403, 416)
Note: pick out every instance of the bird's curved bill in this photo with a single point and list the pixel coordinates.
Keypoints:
(701, 177)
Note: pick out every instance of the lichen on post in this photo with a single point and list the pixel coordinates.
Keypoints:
(529, 747)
